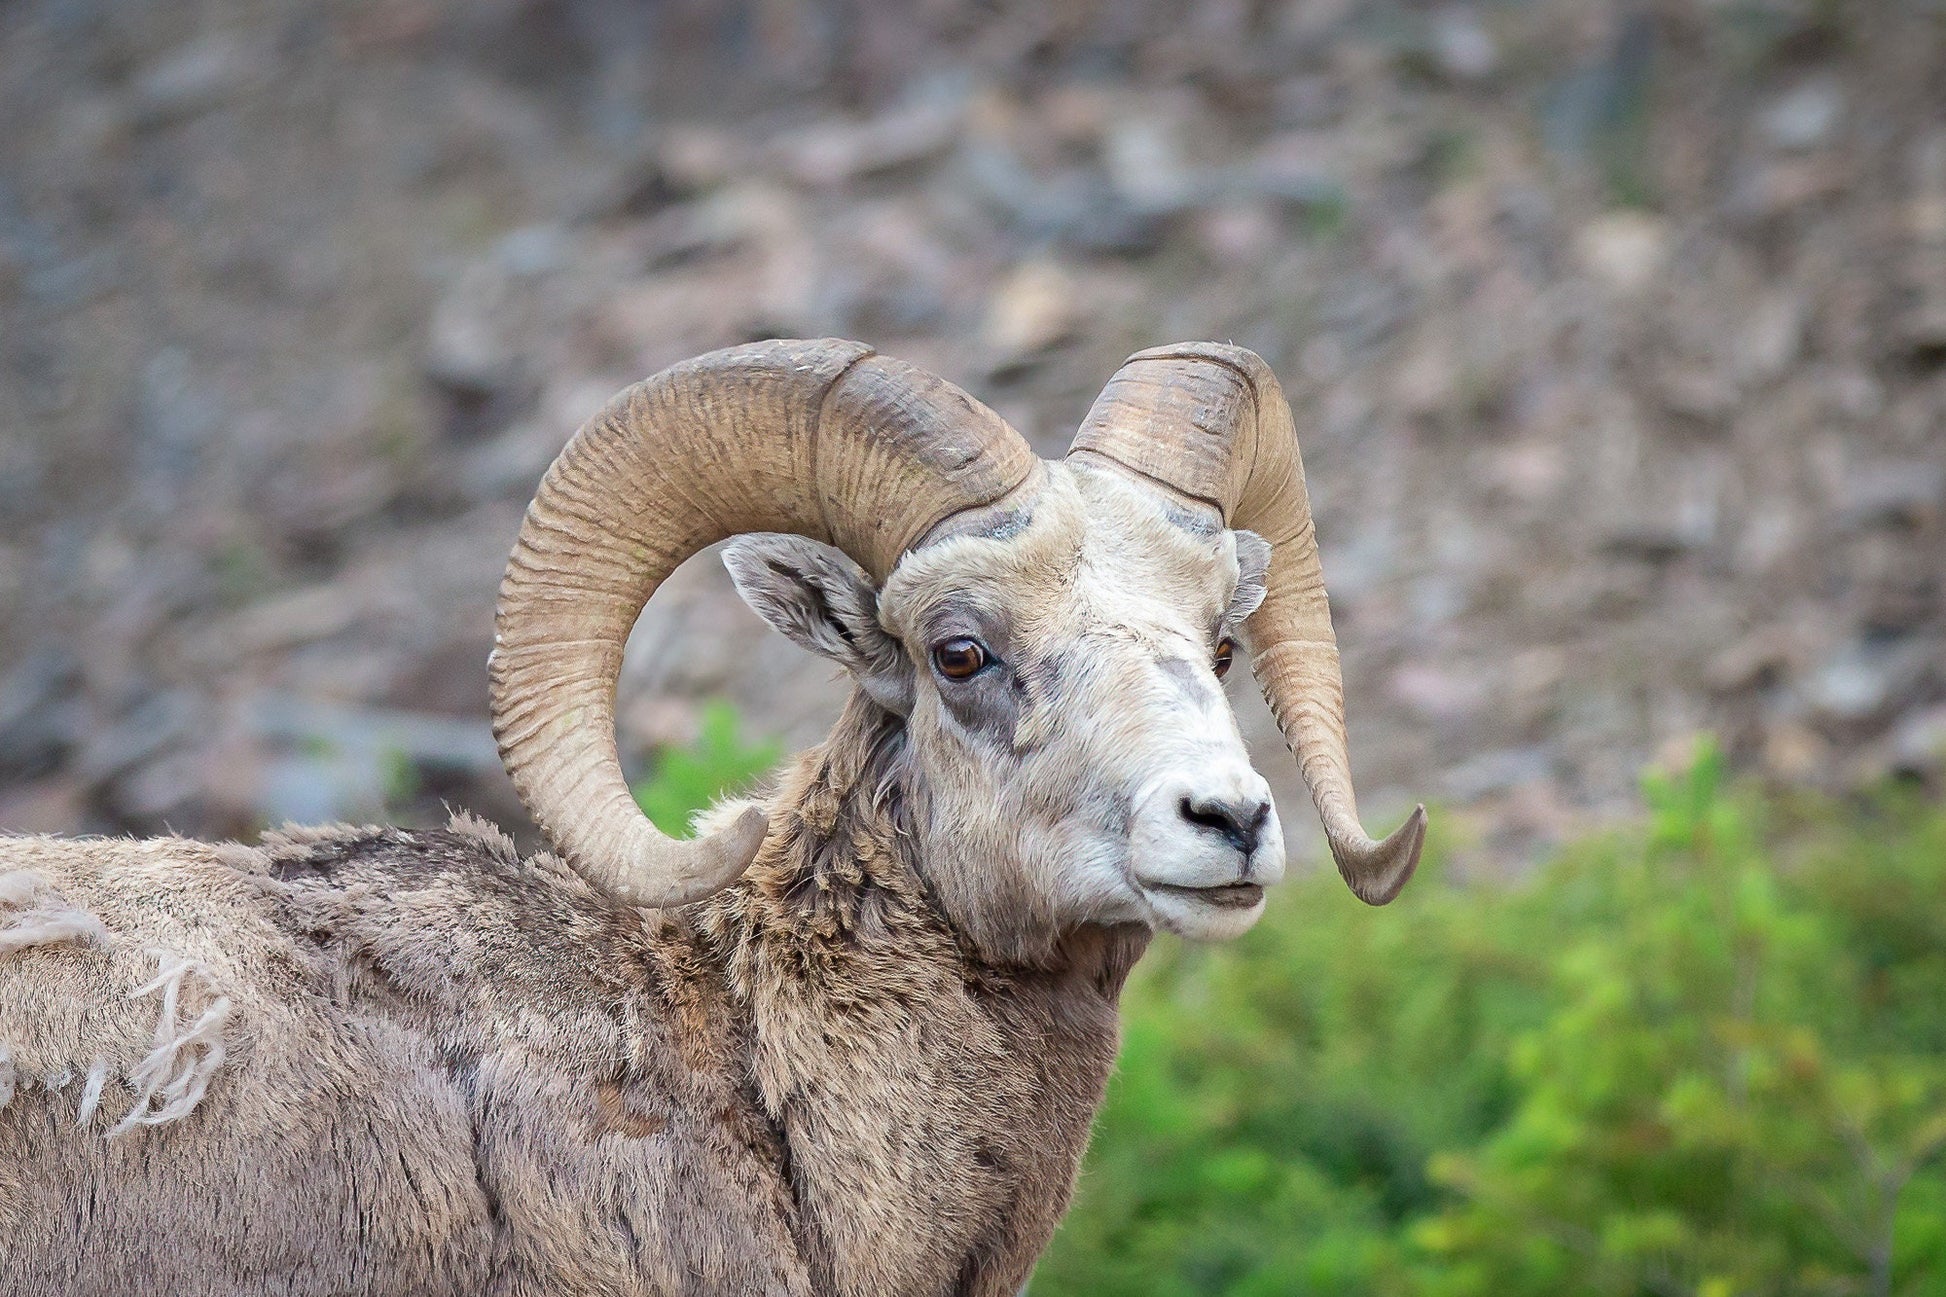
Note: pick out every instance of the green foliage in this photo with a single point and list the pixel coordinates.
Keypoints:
(1705, 1056)
(686, 780)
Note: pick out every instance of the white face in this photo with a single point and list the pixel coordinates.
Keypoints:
(1078, 756)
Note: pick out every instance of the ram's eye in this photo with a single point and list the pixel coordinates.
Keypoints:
(1226, 649)
(959, 659)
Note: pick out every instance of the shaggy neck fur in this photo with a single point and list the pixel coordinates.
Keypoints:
(935, 1103)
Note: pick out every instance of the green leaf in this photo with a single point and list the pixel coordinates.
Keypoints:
(689, 779)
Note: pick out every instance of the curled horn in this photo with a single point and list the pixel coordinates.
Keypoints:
(1210, 423)
(824, 439)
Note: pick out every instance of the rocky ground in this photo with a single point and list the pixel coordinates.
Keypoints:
(1617, 335)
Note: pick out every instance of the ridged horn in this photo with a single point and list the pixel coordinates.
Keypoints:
(824, 439)
(1210, 423)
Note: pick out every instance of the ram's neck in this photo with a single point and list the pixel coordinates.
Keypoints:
(935, 1106)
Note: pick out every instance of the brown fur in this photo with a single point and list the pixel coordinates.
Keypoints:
(441, 1068)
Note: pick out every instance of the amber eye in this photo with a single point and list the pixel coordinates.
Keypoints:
(959, 659)
(1225, 650)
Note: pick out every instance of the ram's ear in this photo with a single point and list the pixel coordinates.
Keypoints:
(821, 600)
(1253, 560)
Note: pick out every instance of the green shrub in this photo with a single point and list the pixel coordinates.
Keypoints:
(686, 780)
(1706, 1056)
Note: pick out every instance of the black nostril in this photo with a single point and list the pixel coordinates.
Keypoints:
(1240, 823)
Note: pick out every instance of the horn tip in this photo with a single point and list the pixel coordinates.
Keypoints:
(1377, 871)
(747, 834)
(729, 852)
(683, 872)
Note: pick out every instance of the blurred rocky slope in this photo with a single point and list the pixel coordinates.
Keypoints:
(1617, 335)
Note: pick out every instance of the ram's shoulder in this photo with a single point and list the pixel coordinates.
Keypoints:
(457, 921)
(468, 862)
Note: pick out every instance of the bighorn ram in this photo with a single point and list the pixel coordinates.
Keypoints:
(847, 1041)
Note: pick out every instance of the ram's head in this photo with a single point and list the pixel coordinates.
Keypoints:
(1051, 634)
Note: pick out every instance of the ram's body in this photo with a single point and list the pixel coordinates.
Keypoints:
(432, 1066)
(848, 1043)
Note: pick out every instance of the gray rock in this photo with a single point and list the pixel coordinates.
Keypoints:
(1593, 102)
(40, 712)
(418, 737)
(509, 464)
(1461, 47)
(156, 723)
(533, 249)
(836, 150)
(1918, 741)
(190, 79)
(1074, 206)
(320, 788)
(1892, 492)
(336, 761)
(467, 351)
(1498, 772)
(1148, 166)
(1863, 678)
(1804, 117)
(1772, 337)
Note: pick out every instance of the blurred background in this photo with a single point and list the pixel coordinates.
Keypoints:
(1617, 337)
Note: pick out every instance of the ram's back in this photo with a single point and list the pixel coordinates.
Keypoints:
(370, 1061)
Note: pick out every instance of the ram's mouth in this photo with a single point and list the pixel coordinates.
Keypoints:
(1228, 896)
